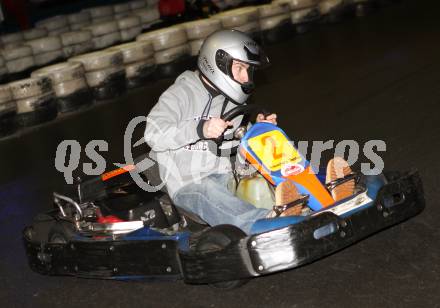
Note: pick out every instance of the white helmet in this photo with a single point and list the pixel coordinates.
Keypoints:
(215, 62)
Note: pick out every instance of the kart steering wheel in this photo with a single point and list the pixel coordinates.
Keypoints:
(241, 109)
(238, 133)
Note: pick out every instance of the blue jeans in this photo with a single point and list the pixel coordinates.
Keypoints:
(215, 204)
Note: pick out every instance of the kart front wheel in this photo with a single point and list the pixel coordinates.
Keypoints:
(217, 238)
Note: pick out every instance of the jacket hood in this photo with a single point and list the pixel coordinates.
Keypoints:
(192, 79)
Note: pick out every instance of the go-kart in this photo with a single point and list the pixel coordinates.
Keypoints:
(112, 229)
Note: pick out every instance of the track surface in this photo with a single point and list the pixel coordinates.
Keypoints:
(362, 79)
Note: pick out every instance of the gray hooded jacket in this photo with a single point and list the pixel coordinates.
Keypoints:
(171, 132)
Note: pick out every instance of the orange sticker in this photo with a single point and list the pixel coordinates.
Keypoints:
(116, 172)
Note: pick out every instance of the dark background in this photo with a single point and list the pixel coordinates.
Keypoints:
(362, 79)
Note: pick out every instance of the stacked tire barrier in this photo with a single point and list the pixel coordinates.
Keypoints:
(149, 17)
(121, 10)
(79, 20)
(77, 42)
(105, 34)
(47, 50)
(152, 3)
(18, 61)
(138, 61)
(171, 49)
(331, 10)
(34, 34)
(274, 19)
(12, 39)
(54, 25)
(3, 70)
(104, 72)
(35, 100)
(137, 4)
(101, 13)
(244, 19)
(197, 31)
(129, 27)
(69, 85)
(303, 13)
(156, 54)
(8, 112)
(360, 7)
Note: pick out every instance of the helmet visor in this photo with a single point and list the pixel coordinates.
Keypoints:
(259, 60)
(239, 70)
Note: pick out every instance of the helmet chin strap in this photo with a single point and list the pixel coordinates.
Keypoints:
(209, 86)
(214, 91)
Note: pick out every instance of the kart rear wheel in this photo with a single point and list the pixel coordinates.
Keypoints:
(217, 238)
(61, 232)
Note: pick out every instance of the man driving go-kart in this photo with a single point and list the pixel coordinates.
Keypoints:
(189, 116)
(111, 228)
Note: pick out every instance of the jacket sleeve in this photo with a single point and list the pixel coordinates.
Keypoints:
(167, 127)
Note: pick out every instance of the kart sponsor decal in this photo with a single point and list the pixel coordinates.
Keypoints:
(357, 202)
(274, 150)
(116, 172)
(206, 65)
(291, 169)
(198, 146)
(206, 117)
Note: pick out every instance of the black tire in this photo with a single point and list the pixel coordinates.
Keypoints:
(334, 18)
(75, 101)
(302, 28)
(391, 176)
(8, 124)
(217, 238)
(61, 232)
(114, 86)
(39, 116)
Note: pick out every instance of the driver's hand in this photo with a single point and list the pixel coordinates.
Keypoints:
(272, 118)
(214, 128)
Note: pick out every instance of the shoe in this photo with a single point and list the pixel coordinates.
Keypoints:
(338, 168)
(293, 211)
(287, 193)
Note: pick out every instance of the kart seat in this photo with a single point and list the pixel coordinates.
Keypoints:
(152, 173)
(153, 176)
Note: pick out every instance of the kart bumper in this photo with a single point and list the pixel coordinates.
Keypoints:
(309, 240)
(103, 259)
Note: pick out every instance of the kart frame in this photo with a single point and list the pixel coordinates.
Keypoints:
(149, 253)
